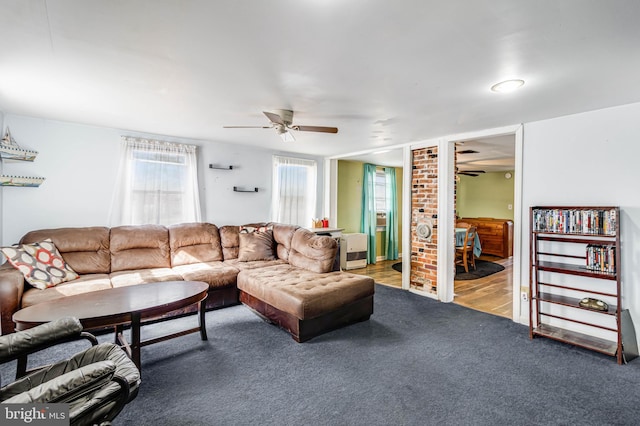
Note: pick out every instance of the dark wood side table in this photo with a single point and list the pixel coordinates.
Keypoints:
(122, 306)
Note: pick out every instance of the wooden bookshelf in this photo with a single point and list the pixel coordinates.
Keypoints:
(575, 254)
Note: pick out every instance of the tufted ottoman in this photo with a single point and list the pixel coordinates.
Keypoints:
(306, 303)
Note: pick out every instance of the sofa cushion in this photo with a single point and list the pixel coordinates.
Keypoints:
(254, 264)
(230, 241)
(85, 249)
(194, 243)
(84, 284)
(282, 235)
(303, 293)
(256, 244)
(313, 252)
(139, 247)
(216, 274)
(40, 263)
(141, 276)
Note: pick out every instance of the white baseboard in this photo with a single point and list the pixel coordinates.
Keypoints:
(424, 293)
(381, 258)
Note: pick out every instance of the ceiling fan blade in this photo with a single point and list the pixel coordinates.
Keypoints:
(468, 174)
(315, 129)
(274, 118)
(474, 171)
(246, 127)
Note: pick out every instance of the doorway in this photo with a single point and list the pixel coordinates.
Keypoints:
(486, 186)
(445, 249)
(349, 209)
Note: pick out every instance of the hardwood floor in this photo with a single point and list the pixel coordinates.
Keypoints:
(382, 273)
(492, 294)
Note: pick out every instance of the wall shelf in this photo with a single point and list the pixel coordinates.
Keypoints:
(237, 189)
(17, 154)
(24, 181)
(10, 150)
(213, 166)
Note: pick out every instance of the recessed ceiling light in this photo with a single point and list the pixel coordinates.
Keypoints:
(381, 152)
(507, 86)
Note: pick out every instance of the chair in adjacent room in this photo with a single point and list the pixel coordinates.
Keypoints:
(96, 383)
(464, 253)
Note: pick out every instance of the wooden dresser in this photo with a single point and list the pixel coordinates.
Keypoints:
(496, 235)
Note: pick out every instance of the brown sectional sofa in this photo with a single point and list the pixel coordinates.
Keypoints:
(295, 288)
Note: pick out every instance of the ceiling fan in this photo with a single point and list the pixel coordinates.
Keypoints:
(282, 121)
(473, 173)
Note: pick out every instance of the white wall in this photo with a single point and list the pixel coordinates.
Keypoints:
(1, 191)
(251, 168)
(588, 159)
(80, 164)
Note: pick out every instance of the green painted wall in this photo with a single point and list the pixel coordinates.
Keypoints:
(486, 195)
(350, 201)
(349, 195)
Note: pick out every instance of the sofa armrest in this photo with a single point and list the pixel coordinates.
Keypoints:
(315, 253)
(64, 388)
(37, 338)
(11, 289)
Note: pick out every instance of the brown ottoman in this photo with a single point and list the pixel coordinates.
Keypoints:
(306, 303)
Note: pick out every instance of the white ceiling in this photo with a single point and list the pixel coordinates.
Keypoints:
(492, 154)
(383, 72)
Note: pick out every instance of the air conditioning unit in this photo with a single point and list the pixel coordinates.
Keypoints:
(353, 251)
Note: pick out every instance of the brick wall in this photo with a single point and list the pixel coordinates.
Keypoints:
(424, 205)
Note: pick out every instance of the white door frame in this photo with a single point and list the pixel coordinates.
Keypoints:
(446, 197)
(446, 223)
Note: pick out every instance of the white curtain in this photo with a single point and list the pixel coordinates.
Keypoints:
(157, 184)
(294, 190)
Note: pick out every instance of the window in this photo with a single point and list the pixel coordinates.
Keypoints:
(381, 198)
(294, 190)
(158, 184)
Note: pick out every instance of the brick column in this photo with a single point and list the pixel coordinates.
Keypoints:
(424, 205)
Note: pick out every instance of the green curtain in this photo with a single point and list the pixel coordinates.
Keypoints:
(368, 213)
(392, 213)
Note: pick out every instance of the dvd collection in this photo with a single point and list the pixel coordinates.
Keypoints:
(575, 221)
(601, 258)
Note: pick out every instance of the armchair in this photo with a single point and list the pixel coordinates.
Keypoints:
(96, 383)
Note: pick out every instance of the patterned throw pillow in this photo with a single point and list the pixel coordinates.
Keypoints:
(244, 229)
(40, 263)
(256, 243)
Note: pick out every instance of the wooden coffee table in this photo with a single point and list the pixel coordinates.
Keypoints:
(122, 306)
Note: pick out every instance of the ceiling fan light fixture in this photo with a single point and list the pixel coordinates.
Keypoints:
(286, 136)
(507, 86)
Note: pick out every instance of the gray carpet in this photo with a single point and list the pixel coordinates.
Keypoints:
(416, 362)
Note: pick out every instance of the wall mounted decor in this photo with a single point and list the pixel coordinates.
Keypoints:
(10, 150)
